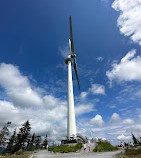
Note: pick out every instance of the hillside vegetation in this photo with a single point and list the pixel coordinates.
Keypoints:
(104, 146)
(133, 152)
(65, 149)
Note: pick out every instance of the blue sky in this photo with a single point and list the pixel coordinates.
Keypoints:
(33, 76)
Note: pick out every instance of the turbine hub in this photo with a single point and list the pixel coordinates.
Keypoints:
(68, 59)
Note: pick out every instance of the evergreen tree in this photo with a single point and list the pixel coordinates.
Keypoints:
(25, 132)
(135, 140)
(33, 138)
(22, 136)
(38, 142)
(30, 144)
(3, 132)
(45, 142)
(10, 145)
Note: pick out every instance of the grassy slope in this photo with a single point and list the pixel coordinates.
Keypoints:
(104, 146)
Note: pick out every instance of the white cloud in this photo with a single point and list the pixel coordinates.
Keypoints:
(138, 93)
(7, 111)
(97, 121)
(129, 20)
(112, 106)
(136, 128)
(114, 132)
(128, 56)
(124, 138)
(128, 121)
(50, 115)
(115, 118)
(18, 87)
(83, 95)
(46, 113)
(50, 102)
(65, 51)
(99, 58)
(97, 89)
(28, 103)
(84, 108)
(127, 70)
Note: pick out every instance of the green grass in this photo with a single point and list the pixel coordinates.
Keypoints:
(133, 152)
(65, 149)
(104, 146)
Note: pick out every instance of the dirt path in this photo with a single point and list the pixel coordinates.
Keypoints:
(46, 154)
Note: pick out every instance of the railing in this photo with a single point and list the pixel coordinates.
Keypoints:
(84, 139)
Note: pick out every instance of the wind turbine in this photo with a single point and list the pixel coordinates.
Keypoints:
(71, 124)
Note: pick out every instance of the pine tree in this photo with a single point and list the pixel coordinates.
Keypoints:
(135, 140)
(45, 143)
(10, 145)
(30, 144)
(22, 136)
(25, 132)
(3, 132)
(38, 142)
(33, 138)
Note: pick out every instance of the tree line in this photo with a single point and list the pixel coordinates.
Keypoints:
(21, 140)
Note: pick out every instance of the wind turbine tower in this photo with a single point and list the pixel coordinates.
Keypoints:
(71, 124)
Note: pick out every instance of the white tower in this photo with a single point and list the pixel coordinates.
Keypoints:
(71, 125)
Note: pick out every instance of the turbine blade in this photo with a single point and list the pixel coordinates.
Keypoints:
(71, 38)
(75, 69)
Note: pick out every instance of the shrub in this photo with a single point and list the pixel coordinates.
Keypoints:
(104, 146)
(78, 146)
(66, 149)
(20, 152)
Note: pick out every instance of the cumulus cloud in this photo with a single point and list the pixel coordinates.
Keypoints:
(115, 118)
(51, 102)
(42, 120)
(97, 89)
(49, 116)
(7, 111)
(124, 138)
(46, 113)
(97, 121)
(129, 20)
(127, 70)
(17, 86)
(26, 102)
(114, 132)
